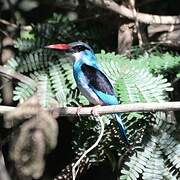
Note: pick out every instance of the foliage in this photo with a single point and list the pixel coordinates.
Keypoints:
(143, 79)
(36, 135)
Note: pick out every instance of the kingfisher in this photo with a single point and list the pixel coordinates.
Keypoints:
(90, 79)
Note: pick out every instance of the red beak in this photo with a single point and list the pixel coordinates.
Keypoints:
(59, 46)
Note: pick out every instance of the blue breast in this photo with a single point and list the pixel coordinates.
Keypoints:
(86, 57)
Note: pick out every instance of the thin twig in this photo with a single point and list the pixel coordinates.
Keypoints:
(132, 3)
(7, 23)
(86, 111)
(74, 171)
(15, 75)
(141, 17)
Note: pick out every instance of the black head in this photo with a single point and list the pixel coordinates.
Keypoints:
(79, 46)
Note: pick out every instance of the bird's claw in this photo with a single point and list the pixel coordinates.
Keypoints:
(94, 111)
(78, 110)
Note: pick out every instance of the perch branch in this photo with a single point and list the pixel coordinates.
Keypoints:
(141, 17)
(135, 107)
(74, 171)
(85, 111)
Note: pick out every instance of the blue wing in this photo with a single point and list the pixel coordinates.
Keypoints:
(100, 84)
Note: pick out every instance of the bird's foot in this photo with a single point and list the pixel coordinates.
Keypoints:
(94, 111)
(78, 110)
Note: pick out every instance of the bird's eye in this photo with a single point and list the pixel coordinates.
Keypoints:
(80, 48)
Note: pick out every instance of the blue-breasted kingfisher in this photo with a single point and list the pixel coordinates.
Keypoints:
(90, 79)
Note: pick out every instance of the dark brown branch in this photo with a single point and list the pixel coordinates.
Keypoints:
(141, 17)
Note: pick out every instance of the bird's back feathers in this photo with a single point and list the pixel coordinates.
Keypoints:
(99, 84)
(97, 79)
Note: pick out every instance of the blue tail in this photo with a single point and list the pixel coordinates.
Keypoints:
(121, 127)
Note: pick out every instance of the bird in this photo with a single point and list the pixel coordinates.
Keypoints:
(90, 79)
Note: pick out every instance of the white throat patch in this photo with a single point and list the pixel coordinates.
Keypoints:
(77, 55)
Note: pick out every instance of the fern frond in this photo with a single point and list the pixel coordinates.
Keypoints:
(28, 63)
(58, 84)
(154, 168)
(134, 83)
(31, 62)
(164, 63)
(58, 28)
(170, 175)
(23, 91)
(159, 159)
(171, 149)
(44, 91)
(137, 163)
(148, 164)
(141, 86)
(27, 45)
